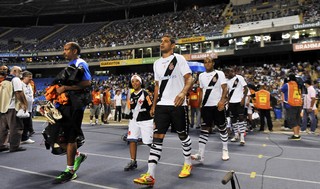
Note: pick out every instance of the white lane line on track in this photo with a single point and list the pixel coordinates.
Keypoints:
(50, 176)
(238, 154)
(210, 169)
(253, 155)
(251, 144)
(163, 163)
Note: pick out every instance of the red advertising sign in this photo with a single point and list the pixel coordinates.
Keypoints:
(306, 46)
(201, 56)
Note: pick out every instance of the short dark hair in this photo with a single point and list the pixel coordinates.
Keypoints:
(292, 77)
(227, 70)
(172, 40)
(74, 45)
(26, 73)
(307, 82)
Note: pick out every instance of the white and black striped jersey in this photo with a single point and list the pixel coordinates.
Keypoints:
(144, 102)
(216, 93)
(239, 83)
(175, 80)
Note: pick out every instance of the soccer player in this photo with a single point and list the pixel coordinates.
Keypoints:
(214, 92)
(238, 91)
(172, 82)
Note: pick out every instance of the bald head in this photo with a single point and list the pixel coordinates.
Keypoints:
(16, 70)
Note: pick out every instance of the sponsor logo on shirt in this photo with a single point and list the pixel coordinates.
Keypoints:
(214, 79)
(168, 77)
(171, 66)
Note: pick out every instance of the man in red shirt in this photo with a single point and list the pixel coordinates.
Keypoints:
(194, 103)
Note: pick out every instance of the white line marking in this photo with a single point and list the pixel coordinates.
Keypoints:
(50, 176)
(163, 163)
(210, 169)
(252, 155)
(251, 144)
(238, 154)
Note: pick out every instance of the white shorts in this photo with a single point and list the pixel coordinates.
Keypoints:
(143, 129)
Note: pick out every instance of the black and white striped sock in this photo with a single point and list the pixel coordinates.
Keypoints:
(155, 155)
(186, 148)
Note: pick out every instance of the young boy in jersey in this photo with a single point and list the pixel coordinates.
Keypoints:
(141, 122)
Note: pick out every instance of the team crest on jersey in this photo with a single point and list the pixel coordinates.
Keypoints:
(171, 66)
(140, 101)
(214, 79)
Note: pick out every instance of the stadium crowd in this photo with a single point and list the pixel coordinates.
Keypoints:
(270, 75)
(111, 91)
(195, 21)
(182, 24)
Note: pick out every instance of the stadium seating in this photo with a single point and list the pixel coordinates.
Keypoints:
(25, 36)
(191, 22)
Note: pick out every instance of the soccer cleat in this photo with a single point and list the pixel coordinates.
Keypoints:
(225, 155)
(234, 139)
(293, 137)
(131, 165)
(44, 110)
(145, 179)
(242, 142)
(54, 111)
(186, 171)
(79, 160)
(49, 118)
(29, 141)
(197, 157)
(65, 177)
(56, 114)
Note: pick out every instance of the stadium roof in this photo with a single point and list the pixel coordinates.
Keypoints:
(24, 8)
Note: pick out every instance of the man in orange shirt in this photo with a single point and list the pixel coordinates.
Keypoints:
(293, 105)
(95, 106)
(263, 104)
(106, 104)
